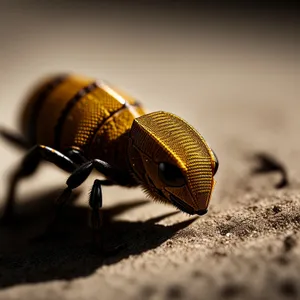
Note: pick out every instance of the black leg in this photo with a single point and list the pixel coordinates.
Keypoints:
(27, 167)
(75, 155)
(80, 175)
(95, 203)
(82, 172)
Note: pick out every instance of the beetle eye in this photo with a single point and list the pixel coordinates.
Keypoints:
(216, 163)
(170, 174)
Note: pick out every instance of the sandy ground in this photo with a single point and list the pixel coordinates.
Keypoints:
(237, 82)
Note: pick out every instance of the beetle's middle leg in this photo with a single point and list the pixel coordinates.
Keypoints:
(27, 167)
(95, 203)
(83, 172)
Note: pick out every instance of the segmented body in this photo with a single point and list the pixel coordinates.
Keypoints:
(77, 112)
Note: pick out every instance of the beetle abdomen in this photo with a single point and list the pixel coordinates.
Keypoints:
(46, 105)
(73, 111)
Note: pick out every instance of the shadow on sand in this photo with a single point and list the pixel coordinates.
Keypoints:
(67, 252)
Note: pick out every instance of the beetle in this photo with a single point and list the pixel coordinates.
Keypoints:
(80, 124)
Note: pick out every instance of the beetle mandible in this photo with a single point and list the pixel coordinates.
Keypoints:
(80, 125)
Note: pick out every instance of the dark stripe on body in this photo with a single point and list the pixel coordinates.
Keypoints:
(38, 104)
(70, 104)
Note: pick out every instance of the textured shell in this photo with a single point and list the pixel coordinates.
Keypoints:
(164, 137)
(70, 111)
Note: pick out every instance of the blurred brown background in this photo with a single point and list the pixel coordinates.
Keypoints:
(231, 71)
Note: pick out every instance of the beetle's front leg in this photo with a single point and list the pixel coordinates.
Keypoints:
(74, 181)
(95, 203)
(82, 172)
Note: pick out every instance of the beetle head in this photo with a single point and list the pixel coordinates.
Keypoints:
(172, 161)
